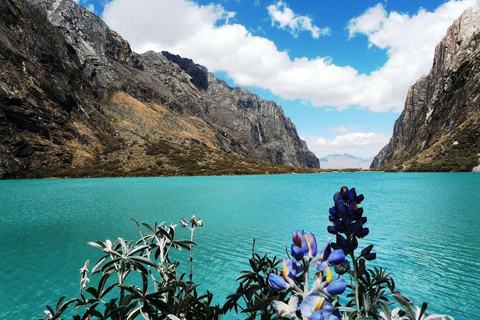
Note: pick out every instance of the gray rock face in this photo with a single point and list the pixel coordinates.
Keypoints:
(61, 66)
(438, 129)
(258, 127)
(237, 113)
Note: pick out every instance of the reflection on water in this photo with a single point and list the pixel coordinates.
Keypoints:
(424, 227)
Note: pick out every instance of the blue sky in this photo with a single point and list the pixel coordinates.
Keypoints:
(339, 69)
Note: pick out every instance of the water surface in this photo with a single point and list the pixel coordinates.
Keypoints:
(424, 226)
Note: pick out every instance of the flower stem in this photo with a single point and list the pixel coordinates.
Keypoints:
(192, 230)
(306, 266)
(355, 275)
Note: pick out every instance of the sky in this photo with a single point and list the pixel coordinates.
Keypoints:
(340, 69)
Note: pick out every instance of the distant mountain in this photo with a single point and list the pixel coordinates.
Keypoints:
(439, 128)
(344, 161)
(75, 100)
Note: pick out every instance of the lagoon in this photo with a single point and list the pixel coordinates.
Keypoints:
(425, 228)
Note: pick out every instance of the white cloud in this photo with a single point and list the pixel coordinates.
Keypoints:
(204, 34)
(369, 22)
(283, 17)
(341, 129)
(361, 144)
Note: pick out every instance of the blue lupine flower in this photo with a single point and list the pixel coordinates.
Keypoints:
(325, 271)
(300, 245)
(311, 306)
(326, 250)
(277, 282)
(312, 244)
(288, 275)
(336, 287)
(289, 270)
(348, 220)
(336, 257)
(289, 309)
(304, 245)
(317, 307)
(297, 252)
(343, 267)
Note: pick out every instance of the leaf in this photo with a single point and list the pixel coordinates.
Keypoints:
(422, 310)
(95, 267)
(124, 246)
(406, 305)
(109, 264)
(94, 313)
(109, 288)
(148, 227)
(144, 260)
(93, 292)
(136, 249)
(60, 301)
(385, 310)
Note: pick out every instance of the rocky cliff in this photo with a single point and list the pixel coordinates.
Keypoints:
(439, 128)
(75, 100)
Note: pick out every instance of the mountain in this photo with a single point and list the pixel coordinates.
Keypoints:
(75, 100)
(439, 128)
(344, 161)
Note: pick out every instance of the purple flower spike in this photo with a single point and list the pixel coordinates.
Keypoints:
(352, 194)
(312, 244)
(359, 199)
(336, 287)
(333, 212)
(352, 207)
(341, 241)
(363, 232)
(371, 256)
(340, 207)
(331, 229)
(367, 250)
(344, 193)
(277, 282)
(336, 197)
(336, 257)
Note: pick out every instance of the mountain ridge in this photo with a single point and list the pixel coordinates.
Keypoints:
(344, 161)
(77, 101)
(439, 128)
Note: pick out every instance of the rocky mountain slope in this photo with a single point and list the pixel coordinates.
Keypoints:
(75, 100)
(439, 128)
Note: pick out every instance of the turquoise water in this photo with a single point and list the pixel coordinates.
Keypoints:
(424, 226)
